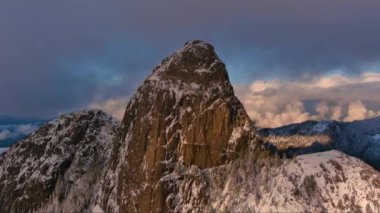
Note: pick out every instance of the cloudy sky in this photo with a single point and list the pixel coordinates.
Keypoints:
(289, 60)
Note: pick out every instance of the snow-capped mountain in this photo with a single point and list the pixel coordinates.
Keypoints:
(358, 138)
(186, 144)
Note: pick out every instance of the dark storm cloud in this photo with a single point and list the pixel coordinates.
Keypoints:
(57, 56)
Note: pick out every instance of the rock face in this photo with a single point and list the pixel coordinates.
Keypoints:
(57, 169)
(184, 113)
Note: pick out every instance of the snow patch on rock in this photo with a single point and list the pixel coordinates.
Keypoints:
(97, 209)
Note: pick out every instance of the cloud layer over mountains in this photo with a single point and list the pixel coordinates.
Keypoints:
(275, 103)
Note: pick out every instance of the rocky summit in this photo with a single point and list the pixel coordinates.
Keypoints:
(185, 144)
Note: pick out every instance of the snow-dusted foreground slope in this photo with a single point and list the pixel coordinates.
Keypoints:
(359, 138)
(58, 168)
(327, 181)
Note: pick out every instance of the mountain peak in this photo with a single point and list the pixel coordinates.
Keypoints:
(195, 62)
(199, 47)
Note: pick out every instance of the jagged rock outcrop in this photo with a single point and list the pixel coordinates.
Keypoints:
(185, 113)
(58, 168)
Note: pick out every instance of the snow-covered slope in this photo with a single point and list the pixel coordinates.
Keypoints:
(359, 138)
(320, 182)
(58, 167)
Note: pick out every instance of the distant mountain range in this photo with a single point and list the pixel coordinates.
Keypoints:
(360, 139)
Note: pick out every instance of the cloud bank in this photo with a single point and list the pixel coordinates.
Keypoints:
(275, 103)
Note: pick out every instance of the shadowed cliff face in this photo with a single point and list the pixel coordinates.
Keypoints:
(184, 113)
